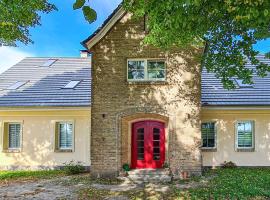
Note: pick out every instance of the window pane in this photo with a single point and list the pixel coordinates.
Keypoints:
(245, 134)
(208, 134)
(136, 74)
(157, 65)
(140, 143)
(65, 133)
(135, 70)
(14, 135)
(156, 69)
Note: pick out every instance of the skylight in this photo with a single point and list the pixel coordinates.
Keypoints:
(48, 63)
(243, 85)
(72, 84)
(16, 85)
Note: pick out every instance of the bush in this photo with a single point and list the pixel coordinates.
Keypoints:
(229, 164)
(73, 167)
(126, 167)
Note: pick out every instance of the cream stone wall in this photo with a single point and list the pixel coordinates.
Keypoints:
(116, 102)
(226, 149)
(38, 138)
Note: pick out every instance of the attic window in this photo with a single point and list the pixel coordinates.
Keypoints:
(16, 85)
(48, 63)
(243, 85)
(72, 84)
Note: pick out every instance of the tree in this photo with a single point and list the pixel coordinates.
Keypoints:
(17, 16)
(229, 28)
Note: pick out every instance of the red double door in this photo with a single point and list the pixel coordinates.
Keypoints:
(148, 144)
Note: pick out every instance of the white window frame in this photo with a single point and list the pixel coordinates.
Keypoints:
(215, 131)
(145, 70)
(77, 83)
(236, 133)
(73, 135)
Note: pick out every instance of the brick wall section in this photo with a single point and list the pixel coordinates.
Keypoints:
(116, 102)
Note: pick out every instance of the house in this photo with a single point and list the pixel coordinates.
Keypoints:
(150, 107)
(134, 104)
(45, 113)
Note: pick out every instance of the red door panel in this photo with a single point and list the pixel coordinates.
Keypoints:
(148, 144)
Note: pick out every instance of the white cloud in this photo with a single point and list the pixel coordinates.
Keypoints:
(9, 56)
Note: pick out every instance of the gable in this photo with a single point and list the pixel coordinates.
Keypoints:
(94, 38)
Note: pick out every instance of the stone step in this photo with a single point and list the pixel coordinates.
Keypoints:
(150, 178)
(150, 175)
(149, 172)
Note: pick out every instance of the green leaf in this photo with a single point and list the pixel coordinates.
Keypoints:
(78, 4)
(267, 55)
(265, 12)
(89, 14)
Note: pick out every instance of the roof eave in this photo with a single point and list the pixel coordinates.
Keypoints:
(103, 30)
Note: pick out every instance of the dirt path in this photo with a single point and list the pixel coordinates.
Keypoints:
(42, 189)
(68, 187)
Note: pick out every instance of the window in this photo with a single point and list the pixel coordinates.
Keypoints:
(243, 85)
(64, 135)
(14, 135)
(72, 84)
(16, 85)
(146, 70)
(48, 63)
(245, 132)
(208, 135)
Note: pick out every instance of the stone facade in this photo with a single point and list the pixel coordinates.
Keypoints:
(116, 103)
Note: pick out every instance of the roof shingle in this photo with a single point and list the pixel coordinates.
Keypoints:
(213, 93)
(44, 85)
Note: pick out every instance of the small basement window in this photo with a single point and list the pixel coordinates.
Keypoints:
(146, 70)
(243, 85)
(48, 63)
(72, 84)
(16, 85)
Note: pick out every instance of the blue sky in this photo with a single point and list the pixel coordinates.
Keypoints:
(62, 31)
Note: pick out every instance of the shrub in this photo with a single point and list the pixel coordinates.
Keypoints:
(165, 165)
(228, 164)
(126, 167)
(73, 167)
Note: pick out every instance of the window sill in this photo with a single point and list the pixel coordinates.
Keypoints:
(147, 82)
(11, 151)
(208, 149)
(63, 151)
(246, 150)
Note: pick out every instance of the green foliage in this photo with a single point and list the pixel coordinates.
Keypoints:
(11, 175)
(166, 165)
(78, 4)
(228, 28)
(228, 164)
(17, 16)
(73, 167)
(237, 183)
(89, 14)
(126, 167)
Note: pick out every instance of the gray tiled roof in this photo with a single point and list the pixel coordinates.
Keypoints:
(45, 84)
(213, 93)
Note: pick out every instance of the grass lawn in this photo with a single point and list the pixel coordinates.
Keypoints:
(238, 183)
(29, 175)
